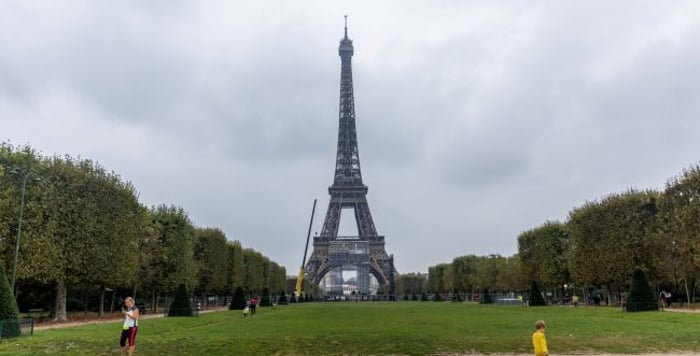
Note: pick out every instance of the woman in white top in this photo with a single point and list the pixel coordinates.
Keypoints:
(131, 322)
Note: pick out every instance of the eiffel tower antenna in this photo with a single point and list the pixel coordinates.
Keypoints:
(346, 26)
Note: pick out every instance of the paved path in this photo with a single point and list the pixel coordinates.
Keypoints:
(108, 319)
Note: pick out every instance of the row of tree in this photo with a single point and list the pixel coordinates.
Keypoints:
(597, 248)
(84, 230)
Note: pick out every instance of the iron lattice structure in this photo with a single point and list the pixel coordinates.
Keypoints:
(366, 252)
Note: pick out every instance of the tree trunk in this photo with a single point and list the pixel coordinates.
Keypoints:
(85, 302)
(61, 294)
(114, 300)
(154, 301)
(101, 310)
(687, 293)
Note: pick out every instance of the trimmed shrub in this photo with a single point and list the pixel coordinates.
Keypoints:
(437, 297)
(456, 297)
(485, 297)
(238, 302)
(282, 299)
(266, 300)
(536, 298)
(414, 297)
(180, 305)
(9, 314)
(640, 297)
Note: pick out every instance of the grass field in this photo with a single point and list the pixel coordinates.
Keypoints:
(371, 328)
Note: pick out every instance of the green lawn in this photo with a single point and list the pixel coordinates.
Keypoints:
(411, 328)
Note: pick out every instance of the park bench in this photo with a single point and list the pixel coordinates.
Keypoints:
(38, 313)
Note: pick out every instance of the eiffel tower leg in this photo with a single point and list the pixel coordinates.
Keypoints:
(330, 224)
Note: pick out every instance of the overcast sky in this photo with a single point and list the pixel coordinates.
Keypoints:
(476, 120)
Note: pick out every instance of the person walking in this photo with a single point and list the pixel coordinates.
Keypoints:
(129, 328)
(539, 342)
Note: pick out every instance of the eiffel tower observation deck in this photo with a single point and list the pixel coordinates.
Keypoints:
(364, 253)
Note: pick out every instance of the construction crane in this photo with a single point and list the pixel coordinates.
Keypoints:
(300, 279)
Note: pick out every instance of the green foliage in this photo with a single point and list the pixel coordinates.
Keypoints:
(611, 237)
(412, 283)
(456, 297)
(210, 254)
(9, 314)
(640, 296)
(239, 301)
(172, 262)
(536, 298)
(679, 209)
(543, 253)
(181, 305)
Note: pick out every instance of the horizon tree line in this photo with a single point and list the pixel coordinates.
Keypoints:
(596, 250)
(85, 233)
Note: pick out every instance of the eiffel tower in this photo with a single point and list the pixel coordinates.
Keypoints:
(365, 253)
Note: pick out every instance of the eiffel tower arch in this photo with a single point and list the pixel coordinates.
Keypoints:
(364, 252)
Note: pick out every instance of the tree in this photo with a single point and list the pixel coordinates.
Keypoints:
(436, 280)
(608, 239)
(412, 283)
(210, 254)
(679, 209)
(640, 297)
(542, 253)
(253, 281)
(9, 314)
(176, 236)
(464, 269)
(181, 305)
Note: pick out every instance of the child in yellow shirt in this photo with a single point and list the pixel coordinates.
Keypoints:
(539, 342)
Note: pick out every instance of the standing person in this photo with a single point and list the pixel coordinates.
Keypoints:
(253, 304)
(131, 322)
(662, 297)
(539, 342)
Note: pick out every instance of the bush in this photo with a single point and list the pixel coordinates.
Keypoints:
(640, 297)
(181, 305)
(456, 297)
(536, 298)
(282, 299)
(238, 302)
(9, 315)
(485, 297)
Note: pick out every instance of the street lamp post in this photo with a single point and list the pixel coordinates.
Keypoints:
(19, 224)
